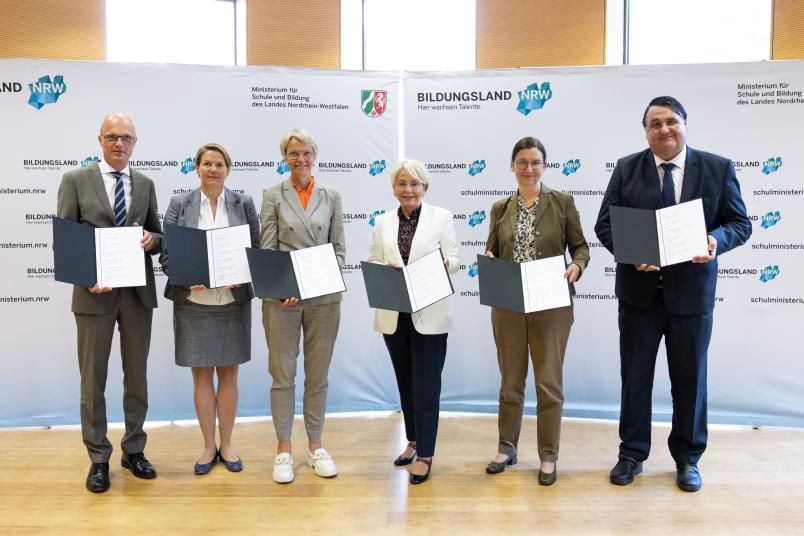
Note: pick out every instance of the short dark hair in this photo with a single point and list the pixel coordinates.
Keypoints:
(665, 102)
(528, 142)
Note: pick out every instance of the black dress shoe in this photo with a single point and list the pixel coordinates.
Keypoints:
(624, 472)
(687, 477)
(498, 467)
(401, 460)
(548, 479)
(98, 477)
(418, 479)
(139, 465)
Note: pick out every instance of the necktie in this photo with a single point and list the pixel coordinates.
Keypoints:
(119, 200)
(668, 190)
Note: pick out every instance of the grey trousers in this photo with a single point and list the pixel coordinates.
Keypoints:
(95, 334)
(545, 333)
(283, 328)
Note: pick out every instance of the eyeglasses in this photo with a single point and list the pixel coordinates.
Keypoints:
(413, 185)
(112, 138)
(295, 155)
(522, 165)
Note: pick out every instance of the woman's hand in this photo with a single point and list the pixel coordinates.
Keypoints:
(286, 302)
(197, 287)
(573, 273)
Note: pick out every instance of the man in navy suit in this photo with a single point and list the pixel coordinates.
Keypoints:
(675, 301)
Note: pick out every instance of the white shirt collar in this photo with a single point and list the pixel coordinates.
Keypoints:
(679, 160)
(205, 200)
(106, 168)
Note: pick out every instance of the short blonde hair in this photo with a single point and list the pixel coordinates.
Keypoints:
(414, 168)
(301, 135)
(212, 147)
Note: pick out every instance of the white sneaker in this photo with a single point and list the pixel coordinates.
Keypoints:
(283, 468)
(322, 463)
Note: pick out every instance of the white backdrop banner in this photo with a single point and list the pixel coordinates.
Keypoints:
(463, 126)
(51, 115)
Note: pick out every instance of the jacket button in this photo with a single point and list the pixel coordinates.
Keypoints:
(538, 233)
(538, 253)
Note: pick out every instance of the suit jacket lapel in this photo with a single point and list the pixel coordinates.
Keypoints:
(650, 179)
(139, 200)
(510, 215)
(692, 176)
(393, 236)
(96, 179)
(315, 199)
(292, 199)
(233, 208)
(544, 201)
(418, 236)
(192, 209)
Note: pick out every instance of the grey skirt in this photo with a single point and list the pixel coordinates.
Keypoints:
(212, 335)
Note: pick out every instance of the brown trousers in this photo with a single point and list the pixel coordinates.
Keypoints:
(545, 333)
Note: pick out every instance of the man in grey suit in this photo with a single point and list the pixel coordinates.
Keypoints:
(88, 196)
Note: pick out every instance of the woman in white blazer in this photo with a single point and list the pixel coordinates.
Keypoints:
(416, 342)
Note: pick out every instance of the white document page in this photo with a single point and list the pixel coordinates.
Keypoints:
(427, 280)
(543, 284)
(317, 271)
(682, 232)
(226, 255)
(119, 257)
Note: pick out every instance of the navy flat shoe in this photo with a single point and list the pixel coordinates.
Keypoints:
(204, 468)
(234, 467)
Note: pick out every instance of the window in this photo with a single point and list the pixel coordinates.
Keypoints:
(176, 31)
(416, 35)
(689, 31)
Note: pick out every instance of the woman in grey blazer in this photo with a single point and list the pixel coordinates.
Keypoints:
(533, 223)
(212, 326)
(298, 213)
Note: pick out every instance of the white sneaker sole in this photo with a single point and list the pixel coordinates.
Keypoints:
(283, 479)
(322, 473)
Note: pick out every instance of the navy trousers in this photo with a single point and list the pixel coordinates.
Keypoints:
(418, 361)
(687, 341)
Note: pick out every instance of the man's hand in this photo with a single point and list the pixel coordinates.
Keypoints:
(700, 259)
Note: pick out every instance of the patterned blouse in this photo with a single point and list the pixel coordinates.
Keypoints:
(407, 228)
(525, 240)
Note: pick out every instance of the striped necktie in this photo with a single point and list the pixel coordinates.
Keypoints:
(119, 200)
(668, 190)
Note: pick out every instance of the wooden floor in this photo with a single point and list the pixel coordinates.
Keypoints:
(753, 484)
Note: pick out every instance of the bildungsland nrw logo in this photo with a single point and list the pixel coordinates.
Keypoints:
(374, 215)
(46, 91)
(373, 102)
(187, 166)
(282, 167)
(88, 161)
(772, 164)
(533, 97)
(477, 167)
(770, 219)
(472, 271)
(376, 167)
(476, 218)
(769, 273)
(570, 167)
